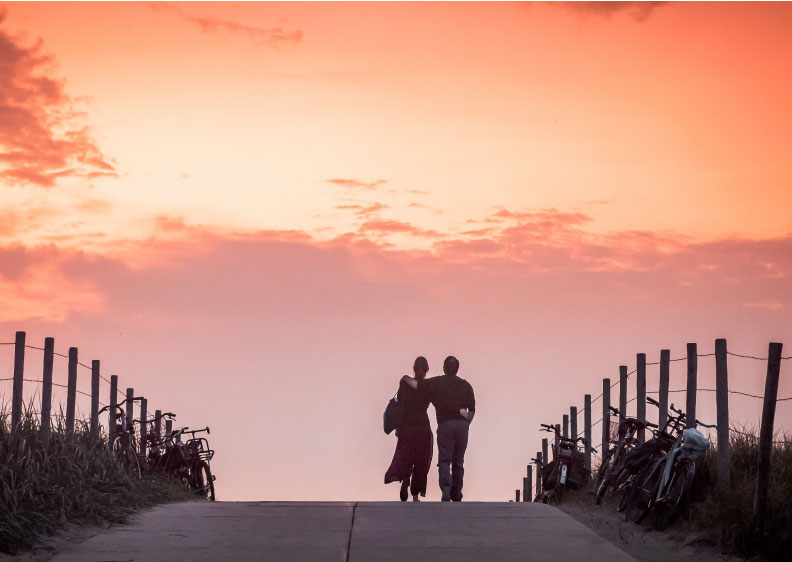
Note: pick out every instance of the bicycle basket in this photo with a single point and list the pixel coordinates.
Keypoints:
(199, 449)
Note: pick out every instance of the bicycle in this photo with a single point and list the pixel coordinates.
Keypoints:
(642, 485)
(189, 461)
(565, 470)
(156, 443)
(199, 456)
(125, 444)
(678, 475)
(610, 473)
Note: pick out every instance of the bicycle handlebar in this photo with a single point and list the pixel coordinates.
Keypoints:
(650, 424)
(706, 424)
(652, 401)
(117, 406)
(182, 430)
(155, 418)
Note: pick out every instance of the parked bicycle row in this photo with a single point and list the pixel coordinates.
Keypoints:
(187, 461)
(653, 477)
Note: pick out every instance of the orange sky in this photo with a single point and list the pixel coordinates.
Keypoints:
(261, 213)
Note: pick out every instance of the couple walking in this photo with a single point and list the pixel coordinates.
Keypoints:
(455, 407)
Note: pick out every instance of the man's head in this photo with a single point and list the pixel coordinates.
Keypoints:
(451, 365)
(420, 367)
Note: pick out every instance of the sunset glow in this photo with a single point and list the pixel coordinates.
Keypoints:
(259, 214)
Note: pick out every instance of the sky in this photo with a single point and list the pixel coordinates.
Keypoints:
(259, 214)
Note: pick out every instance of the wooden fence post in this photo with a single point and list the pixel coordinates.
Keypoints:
(95, 399)
(19, 375)
(46, 388)
(111, 414)
(587, 430)
(641, 392)
(158, 423)
(527, 484)
(623, 389)
(665, 368)
(517, 496)
(168, 427)
(766, 436)
(722, 398)
(71, 390)
(556, 438)
(605, 417)
(565, 425)
(545, 457)
(692, 385)
(538, 472)
(573, 422)
(130, 410)
(143, 432)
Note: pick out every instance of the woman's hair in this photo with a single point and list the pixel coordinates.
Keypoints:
(421, 363)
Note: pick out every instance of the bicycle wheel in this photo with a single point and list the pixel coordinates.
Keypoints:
(558, 494)
(624, 497)
(603, 489)
(680, 482)
(602, 471)
(132, 463)
(203, 482)
(642, 494)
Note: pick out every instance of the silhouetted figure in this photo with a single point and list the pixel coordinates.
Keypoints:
(413, 454)
(455, 406)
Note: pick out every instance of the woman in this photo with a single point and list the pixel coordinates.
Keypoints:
(413, 455)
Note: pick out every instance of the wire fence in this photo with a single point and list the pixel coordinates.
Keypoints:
(582, 409)
(765, 438)
(44, 395)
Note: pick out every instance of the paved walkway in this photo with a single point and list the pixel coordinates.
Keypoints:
(347, 531)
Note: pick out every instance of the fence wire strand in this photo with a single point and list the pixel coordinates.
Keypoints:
(105, 379)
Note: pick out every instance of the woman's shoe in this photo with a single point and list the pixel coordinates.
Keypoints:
(403, 491)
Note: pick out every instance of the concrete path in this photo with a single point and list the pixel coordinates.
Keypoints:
(344, 532)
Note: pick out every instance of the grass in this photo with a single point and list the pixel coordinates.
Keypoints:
(46, 484)
(727, 512)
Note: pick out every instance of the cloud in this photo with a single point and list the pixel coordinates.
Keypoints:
(415, 205)
(358, 184)
(41, 139)
(272, 36)
(364, 210)
(639, 11)
(385, 227)
(35, 284)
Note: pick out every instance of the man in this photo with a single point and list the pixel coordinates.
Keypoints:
(455, 407)
(413, 454)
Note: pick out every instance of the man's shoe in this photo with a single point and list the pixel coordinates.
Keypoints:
(446, 494)
(415, 498)
(403, 491)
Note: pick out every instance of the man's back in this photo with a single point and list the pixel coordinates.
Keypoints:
(449, 394)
